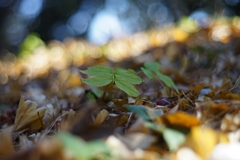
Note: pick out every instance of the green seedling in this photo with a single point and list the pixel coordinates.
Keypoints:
(101, 75)
(151, 68)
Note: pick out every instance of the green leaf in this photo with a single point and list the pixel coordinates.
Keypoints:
(154, 66)
(126, 86)
(173, 138)
(147, 72)
(100, 80)
(158, 127)
(144, 112)
(128, 75)
(82, 150)
(97, 70)
(167, 80)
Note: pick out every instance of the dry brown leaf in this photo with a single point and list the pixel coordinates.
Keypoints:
(24, 142)
(6, 146)
(102, 115)
(28, 115)
(142, 101)
(123, 120)
(180, 119)
(119, 105)
(51, 113)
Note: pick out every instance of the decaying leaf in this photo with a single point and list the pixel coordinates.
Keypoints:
(28, 116)
(6, 145)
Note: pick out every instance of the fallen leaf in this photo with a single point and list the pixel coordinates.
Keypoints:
(28, 114)
(173, 138)
(6, 147)
(102, 115)
(179, 119)
(203, 140)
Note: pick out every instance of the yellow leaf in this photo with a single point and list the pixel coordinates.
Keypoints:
(203, 140)
(27, 114)
(102, 115)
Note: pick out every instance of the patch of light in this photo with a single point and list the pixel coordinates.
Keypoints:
(117, 6)
(79, 22)
(30, 8)
(221, 33)
(15, 29)
(61, 31)
(201, 18)
(104, 27)
(158, 12)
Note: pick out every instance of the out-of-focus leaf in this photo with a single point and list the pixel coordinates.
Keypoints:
(179, 119)
(147, 72)
(128, 75)
(102, 115)
(173, 138)
(28, 114)
(51, 113)
(126, 86)
(81, 149)
(99, 81)
(145, 112)
(154, 66)
(167, 80)
(97, 70)
(137, 140)
(6, 147)
(203, 140)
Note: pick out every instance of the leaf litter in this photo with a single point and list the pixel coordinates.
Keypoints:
(182, 104)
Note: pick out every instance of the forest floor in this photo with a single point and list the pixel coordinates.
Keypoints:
(47, 112)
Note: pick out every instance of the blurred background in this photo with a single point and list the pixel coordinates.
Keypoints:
(98, 21)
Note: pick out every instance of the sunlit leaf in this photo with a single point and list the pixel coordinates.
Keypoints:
(128, 75)
(203, 140)
(100, 80)
(126, 86)
(173, 138)
(97, 70)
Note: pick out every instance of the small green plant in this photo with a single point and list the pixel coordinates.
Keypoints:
(154, 67)
(125, 80)
(101, 75)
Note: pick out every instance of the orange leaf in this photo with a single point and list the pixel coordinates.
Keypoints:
(180, 119)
